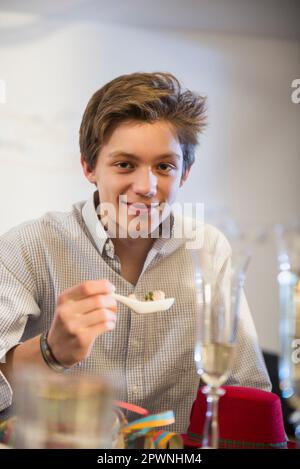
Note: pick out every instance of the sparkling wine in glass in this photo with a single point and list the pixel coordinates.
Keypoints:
(218, 298)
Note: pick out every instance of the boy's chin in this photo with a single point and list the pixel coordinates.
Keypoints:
(144, 230)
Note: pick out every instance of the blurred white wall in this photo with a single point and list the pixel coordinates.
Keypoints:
(248, 162)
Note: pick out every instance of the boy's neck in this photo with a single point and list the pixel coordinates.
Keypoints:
(132, 254)
(136, 248)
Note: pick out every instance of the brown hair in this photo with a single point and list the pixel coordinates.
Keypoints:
(145, 97)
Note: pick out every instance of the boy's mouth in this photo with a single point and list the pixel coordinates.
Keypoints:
(141, 207)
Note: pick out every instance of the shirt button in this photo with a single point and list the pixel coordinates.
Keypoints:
(135, 389)
(135, 343)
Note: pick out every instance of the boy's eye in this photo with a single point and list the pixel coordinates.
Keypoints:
(124, 165)
(166, 167)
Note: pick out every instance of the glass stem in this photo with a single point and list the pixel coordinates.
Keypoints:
(211, 427)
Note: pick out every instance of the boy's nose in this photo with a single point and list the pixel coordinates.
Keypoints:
(145, 183)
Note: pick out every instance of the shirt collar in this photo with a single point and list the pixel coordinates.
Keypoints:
(93, 224)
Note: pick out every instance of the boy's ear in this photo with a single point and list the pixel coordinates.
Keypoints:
(185, 175)
(89, 174)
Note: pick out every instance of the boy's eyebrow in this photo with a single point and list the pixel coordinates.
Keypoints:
(136, 157)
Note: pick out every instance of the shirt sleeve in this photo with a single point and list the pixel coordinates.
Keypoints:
(17, 302)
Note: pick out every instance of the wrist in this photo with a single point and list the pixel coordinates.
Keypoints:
(48, 356)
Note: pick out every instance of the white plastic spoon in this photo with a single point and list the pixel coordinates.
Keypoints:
(143, 307)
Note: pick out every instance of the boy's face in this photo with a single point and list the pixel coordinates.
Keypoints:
(143, 162)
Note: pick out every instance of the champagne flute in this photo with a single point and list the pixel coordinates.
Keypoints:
(288, 256)
(218, 307)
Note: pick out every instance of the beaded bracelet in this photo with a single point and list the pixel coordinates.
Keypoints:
(48, 356)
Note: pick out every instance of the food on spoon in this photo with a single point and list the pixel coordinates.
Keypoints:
(154, 295)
